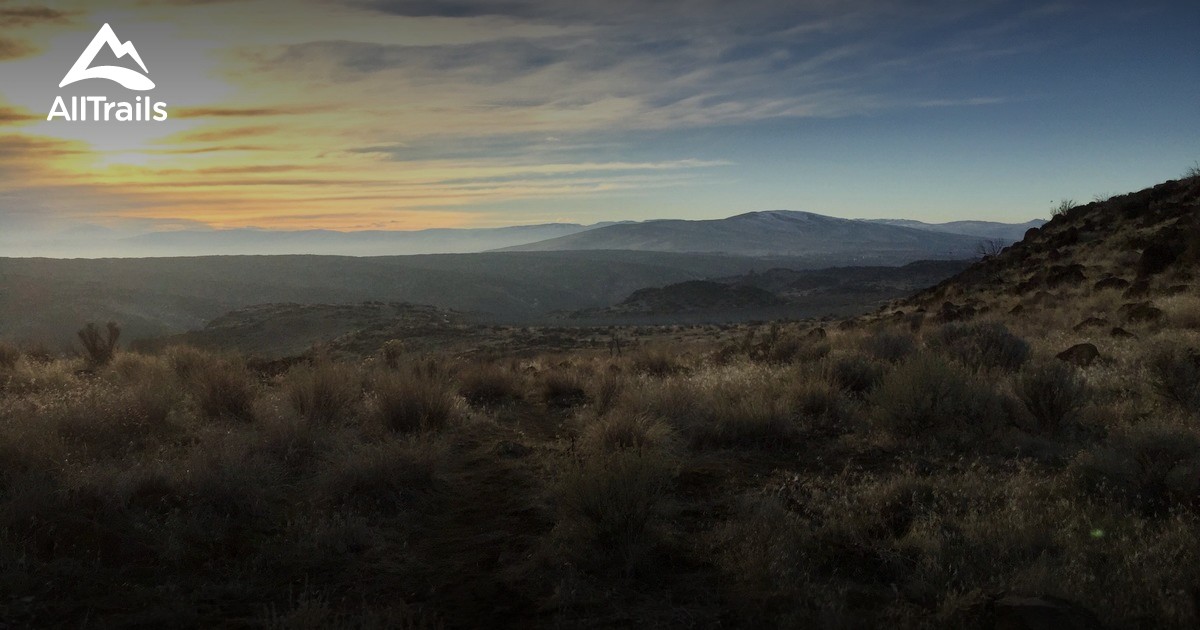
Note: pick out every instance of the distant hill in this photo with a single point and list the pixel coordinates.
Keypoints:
(774, 233)
(779, 293)
(48, 299)
(100, 242)
(696, 295)
(1009, 232)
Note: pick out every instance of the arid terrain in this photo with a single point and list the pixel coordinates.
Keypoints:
(1015, 447)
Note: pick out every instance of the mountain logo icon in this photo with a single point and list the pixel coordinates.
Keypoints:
(130, 79)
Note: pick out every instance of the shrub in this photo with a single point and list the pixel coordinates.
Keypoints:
(928, 394)
(411, 404)
(223, 389)
(619, 431)
(750, 418)
(323, 392)
(489, 385)
(856, 374)
(608, 509)
(1175, 374)
(818, 399)
(1153, 467)
(381, 478)
(792, 349)
(392, 353)
(186, 360)
(100, 348)
(563, 389)
(1051, 391)
(892, 347)
(982, 345)
(655, 362)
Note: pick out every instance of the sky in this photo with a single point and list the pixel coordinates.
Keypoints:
(411, 114)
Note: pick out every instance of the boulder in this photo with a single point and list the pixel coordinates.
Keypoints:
(1060, 275)
(1091, 322)
(1113, 283)
(1138, 289)
(1082, 355)
(951, 312)
(1121, 333)
(1141, 312)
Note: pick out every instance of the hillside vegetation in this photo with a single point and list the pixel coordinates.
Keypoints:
(941, 463)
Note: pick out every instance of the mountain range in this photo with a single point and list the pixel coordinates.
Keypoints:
(781, 233)
(773, 233)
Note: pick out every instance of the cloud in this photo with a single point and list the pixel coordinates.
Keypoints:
(15, 49)
(26, 16)
(14, 116)
(242, 112)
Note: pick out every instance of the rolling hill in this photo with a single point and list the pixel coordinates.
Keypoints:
(774, 233)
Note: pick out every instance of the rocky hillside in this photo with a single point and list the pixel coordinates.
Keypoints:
(1112, 261)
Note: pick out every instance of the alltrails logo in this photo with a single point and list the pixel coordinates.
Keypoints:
(99, 108)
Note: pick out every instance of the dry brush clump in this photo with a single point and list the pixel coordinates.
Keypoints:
(981, 345)
(928, 397)
(412, 403)
(324, 392)
(1052, 391)
(611, 510)
(490, 384)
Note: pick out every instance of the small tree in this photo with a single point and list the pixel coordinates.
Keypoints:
(100, 348)
(1193, 172)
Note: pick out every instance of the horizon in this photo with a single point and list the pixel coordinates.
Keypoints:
(407, 115)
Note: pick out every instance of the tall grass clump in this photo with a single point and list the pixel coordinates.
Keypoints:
(323, 392)
(1051, 391)
(981, 345)
(623, 430)
(411, 403)
(224, 389)
(490, 385)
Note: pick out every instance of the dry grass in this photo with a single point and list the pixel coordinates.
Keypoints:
(871, 478)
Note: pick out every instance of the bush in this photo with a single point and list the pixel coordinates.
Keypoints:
(754, 418)
(856, 374)
(1175, 374)
(892, 347)
(982, 345)
(655, 362)
(927, 394)
(323, 392)
(563, 389)
(392, 353)
(381, 478)
(608, 508)
(223, 389)
(411, 404)
(620, 431)
(489, 385)
(1153, 467)
(1051, 391)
